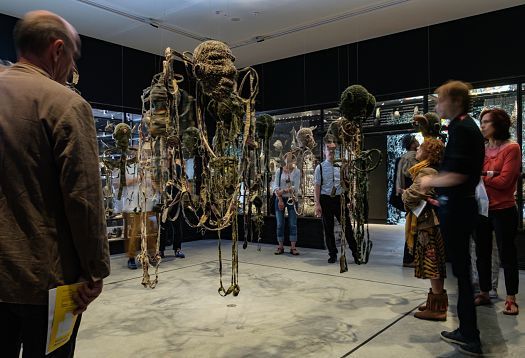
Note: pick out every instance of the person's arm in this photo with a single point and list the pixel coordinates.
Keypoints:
(317, 191)
(76, 154)
(509, 172)
(275, 184)
(400, 177)
(413, 195)
(443, 180)
(297, 181)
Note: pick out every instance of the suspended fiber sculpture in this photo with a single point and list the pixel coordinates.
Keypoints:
(226, 150)
(355, 106)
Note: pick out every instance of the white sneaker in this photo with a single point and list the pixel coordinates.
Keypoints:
(493, 293)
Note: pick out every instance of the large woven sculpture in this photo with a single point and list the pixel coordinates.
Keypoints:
(227, 153)
(355, 163)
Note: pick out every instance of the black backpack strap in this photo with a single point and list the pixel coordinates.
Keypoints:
(280, 173)
(321, 172)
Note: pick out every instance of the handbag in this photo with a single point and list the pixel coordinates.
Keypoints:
(482, 199)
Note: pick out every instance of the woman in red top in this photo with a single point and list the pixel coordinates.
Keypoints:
(501, 170)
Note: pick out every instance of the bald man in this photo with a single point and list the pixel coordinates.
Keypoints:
(52, 225)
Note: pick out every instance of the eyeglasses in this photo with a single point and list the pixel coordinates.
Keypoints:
(73, 78)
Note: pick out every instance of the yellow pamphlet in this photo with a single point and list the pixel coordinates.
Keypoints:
(61, 319)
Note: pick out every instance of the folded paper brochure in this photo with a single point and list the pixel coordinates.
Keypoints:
(61, 319)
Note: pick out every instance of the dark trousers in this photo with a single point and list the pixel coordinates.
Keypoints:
(171, 232)
(458, 218)
(26, 325)
(331, 207)
(407, 256)
(504, 224)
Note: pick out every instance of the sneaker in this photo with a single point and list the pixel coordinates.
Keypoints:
(180, 254)
(454, 337)
(332, 259)
(471, 349)
(493, 293)
(132, 265)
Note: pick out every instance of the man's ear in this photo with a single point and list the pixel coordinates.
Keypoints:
(58, 49)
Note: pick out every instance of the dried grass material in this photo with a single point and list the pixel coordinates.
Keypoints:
(214, 68)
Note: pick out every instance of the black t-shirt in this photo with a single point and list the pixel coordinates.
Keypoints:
(464, 154)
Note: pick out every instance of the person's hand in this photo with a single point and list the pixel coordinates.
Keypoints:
(318, 211)
(281, 204)
(425, 183)
(432, 201)
(86, 294)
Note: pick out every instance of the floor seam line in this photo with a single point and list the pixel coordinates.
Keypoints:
(329, 274)
(168, 270)
(384, 329)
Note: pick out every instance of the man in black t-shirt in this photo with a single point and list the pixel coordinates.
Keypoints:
(456, 183)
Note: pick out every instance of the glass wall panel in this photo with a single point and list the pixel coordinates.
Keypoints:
(394, 151)
(282, 141)
(398, 111)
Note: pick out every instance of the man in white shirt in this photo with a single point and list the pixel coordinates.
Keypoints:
(327, 196)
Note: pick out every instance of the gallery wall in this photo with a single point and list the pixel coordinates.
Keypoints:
(479, 49)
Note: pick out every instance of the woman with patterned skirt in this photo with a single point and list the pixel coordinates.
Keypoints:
(422, 231)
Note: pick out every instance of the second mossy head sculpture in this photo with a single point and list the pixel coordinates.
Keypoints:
(264, 126)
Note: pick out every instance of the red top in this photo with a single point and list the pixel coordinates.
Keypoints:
(506, 160)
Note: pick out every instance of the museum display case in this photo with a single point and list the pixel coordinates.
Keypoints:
(105, 122)
(284, 139)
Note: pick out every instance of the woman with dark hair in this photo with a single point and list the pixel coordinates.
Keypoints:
(422, 231)
(501, 170)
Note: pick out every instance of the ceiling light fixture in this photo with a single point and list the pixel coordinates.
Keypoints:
(145, 20)
(330, 20)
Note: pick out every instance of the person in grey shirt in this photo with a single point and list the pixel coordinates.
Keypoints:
(327, 196)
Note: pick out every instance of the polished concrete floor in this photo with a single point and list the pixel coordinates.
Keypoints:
(289, 306)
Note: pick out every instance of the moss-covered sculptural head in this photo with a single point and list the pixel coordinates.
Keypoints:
(334, 133)
(191, 140)
(214, 69)
(157, 116)
(305, 138)
(122, 135)
(264, 126)
(428, 124)
(356, 103)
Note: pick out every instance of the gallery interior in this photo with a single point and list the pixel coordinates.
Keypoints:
(229, 292)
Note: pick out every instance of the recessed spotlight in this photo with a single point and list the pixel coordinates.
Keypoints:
(235, 19)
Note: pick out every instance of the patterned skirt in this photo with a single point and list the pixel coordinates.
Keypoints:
(429, 254)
